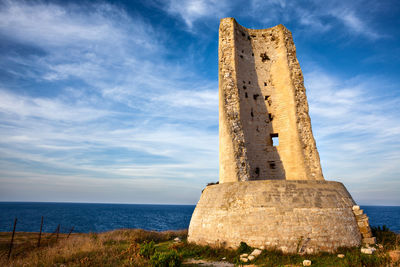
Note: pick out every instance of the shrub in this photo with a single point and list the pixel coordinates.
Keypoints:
(166, 259)
(385, 237)
(243, 248)
(147, 249)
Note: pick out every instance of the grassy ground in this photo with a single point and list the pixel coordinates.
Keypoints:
(145, 248)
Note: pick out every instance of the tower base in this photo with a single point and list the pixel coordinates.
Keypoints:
(293, 216)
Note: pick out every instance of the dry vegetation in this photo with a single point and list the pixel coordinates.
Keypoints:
(147, 248)
(115, 248)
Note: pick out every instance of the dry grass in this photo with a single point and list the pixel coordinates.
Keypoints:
(126, 248)
(115, 248)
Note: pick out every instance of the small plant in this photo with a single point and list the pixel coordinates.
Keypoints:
(385, 236)
(244, 248)
(147, 249)
(166, 259)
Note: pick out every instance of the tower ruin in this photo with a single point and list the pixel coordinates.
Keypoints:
(271, 189)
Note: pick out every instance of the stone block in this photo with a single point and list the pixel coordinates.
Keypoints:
(355, 208)
(369, 241)
(306, 263)
(251, 257)
(358, 212)
(368, 250)
(256, 252)
(340, 256)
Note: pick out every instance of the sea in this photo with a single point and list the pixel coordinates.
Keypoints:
(86, 218)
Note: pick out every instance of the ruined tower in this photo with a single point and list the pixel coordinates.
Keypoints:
(262, 102)
(271, 190)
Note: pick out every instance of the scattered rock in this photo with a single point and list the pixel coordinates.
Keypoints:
(356, 208)
(262, 247)
(244, 259)
(177, 239)
(306, 263)
(224, 258)
(340, 256)
(251, 257)
(244, 255)
(369, 250)
(256, 252)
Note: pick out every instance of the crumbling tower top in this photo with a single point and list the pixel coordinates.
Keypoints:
(265, 130)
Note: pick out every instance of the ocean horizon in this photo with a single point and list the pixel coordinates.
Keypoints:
(102, 217)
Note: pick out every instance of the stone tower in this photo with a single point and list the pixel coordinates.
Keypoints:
(262, 100)
(271, 190)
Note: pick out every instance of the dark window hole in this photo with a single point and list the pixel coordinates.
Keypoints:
(265, 84)
(249, 82)
(252, 54)
(255, 96)
(242, 51)
(251, 113)
(245, 95)
(241, 56)
(244, 87)
(257, 171)
(266, 97)
(272, 165)
(264, 57)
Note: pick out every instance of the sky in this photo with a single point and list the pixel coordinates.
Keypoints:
(117, 101)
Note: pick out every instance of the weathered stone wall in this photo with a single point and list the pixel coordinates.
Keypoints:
(289, 215)
(262, 96)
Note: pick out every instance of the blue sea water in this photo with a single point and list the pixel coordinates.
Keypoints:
(87, 218)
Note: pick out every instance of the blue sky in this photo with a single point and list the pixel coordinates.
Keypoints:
(117, 101)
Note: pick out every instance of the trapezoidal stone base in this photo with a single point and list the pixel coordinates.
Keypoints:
(293, 216)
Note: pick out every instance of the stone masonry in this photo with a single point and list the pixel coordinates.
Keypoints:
(271, 190)
(262, 97)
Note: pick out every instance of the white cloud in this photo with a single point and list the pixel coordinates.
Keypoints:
(192, 10)
(112, 106)
(357, 131)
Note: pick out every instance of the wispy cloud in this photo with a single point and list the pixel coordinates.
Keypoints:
(125, 113)
(357, 130)
(192, 10)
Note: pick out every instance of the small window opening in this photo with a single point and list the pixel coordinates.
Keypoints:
(275, 139)
(242, 51)
(244, 82)
(244, 87)
(257, 171)
(272, 165)
(243, 34)
(270, 116)
(245, 95)
(264, 57)
(252, 54)
(265, 83)
(241, 56)
(251, 113)
(249, 82)
(255, 96)
(266, 97)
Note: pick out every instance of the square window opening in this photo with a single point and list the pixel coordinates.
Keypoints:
(275, 139)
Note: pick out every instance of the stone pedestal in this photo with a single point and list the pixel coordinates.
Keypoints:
(293, 216)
